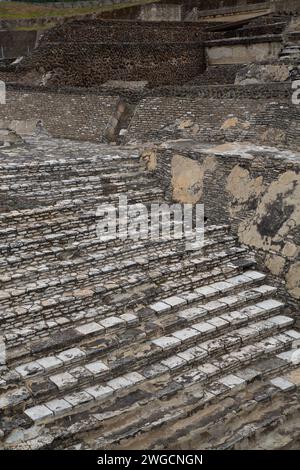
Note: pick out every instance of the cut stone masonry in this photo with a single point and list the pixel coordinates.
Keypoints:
(99, 335)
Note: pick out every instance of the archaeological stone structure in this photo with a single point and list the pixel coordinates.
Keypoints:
(110, 343)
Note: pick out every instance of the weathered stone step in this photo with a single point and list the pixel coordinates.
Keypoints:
(66, 214)
(25, 256)
(61, 171)
(26, 160)
(74, 182)
(213, 322)
(20, 334)
(61, 189)
(84, 191)
(84, 330)
(189, 305)
(126, 289)
(89, 274)
(116, 261)
(207, 372)
(171, 347)
(178, 423)
(227, 402)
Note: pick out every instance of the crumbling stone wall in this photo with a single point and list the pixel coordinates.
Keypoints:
(123, 31)
(91, 52)
(71, 115)
(256, 191)
(255, 113)
(88, 64)
(16, 43)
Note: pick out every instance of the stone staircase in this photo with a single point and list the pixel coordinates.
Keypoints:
(290, 51)
(134, 344)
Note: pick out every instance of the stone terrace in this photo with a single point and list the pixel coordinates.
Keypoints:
(144, 344)
(129, 344)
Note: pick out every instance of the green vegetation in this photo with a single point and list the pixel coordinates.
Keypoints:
(15, 10)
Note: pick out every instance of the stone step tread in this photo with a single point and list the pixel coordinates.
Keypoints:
(115, 282)
(224, 308)
(178, 356)
(72, 175)
(216, 370)
(20, 334)
(189, 262)
(72, 248)
(106, 431)
(210, 393)
(72, 162)
(74, 206)
(84, 191)
(137, 255)
(208, 327)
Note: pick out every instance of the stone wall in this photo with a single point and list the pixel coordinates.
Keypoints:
(123, 31)
(16, 43)
(157, 12)
(218, 74)
(77, 115)
(88, 64)
(243, 51)
(286, 6)
(255, 113)
(256, 190)
(261, 113)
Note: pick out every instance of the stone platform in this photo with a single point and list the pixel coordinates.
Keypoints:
(131, 344)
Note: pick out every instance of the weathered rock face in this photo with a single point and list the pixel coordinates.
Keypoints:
(8, 137)
(187, 178)
(259, 73)
(258, 193)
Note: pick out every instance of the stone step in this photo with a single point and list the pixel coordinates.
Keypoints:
(91, 275)
(69, 171)
(181, 400)
(86, 192)
(171, 348)
(114, 261)
(81, 358)
(73, 182)
(66, 249)
(188, 306)
(61, 240)
(66, 214)
(118, 290)
(61, 330)
(28, 159)
(208, 372)
(227, 401)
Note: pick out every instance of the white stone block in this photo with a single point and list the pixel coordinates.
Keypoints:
(49, 362)
(70, 355)
(97, 367)
(89, 328)
(59, 406)
(38, 413)
(166, 342)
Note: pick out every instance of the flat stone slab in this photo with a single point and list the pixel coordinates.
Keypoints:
(59, 406)
(166, 342)
(99, 392)
(63, 380)
(38, 413)
(232, 381)
(97, 367)
(282, 384)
